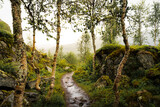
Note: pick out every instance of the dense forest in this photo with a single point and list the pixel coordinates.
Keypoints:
(122, 73)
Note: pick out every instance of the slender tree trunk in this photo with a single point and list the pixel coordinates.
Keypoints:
(140, 35)
(127, 49)
(38, 78)
(93, 34)
(155, 35)
(111, 35)
(20, 53)
(57, 48)
(34, 42)
(94, 45)
(32, 59)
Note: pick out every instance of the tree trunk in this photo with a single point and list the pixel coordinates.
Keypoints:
(155, 35)
(34, 42)
(93, 34)
(38, 78)
(140, 34)
(127, 49)
(111, 35)
(57, 48)
(32, 61)
(20, 53)
(94, 46)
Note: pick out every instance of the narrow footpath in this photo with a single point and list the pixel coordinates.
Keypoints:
(74, 95)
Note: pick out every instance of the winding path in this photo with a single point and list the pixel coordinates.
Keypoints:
(74, 95)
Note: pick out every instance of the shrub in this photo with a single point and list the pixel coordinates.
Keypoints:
(102, 97)
(44, 72)
(71, 58)
(81, 76)
(62, 63)
(29, 55)
(56, 100)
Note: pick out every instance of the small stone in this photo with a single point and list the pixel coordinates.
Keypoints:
(81, 104)
(72, 101)
(83, 100)
(69, 85)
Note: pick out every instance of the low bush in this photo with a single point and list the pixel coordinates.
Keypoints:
(81, 76)
(56, 100)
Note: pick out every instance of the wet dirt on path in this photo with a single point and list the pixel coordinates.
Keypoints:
(74, 95)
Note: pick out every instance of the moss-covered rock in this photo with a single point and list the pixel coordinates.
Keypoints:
(124, 82)
(103, 81)
(7, 37)
(154, 73)
(4, 26)
(140, 59)
(139, 98)
(6, 41)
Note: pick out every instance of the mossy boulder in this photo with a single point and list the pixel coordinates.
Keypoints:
(140, 59)
(139, 98)
(5, 33)
(154, 73)
(4, 26)
(103, 81)
(6, 41)
(125, 81)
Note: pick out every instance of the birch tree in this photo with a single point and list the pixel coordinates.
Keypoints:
(20, 53)
(37, 10)
(126, 54)
(91, 13)
(59, 2)
(84, 46)
(138, 19)
(154, 21)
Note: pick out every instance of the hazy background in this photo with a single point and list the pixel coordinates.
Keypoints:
(68, 37)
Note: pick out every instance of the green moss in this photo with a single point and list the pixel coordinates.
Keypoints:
(9, 67)
(134, 97)
(44, 60)
(107, 49)
(7, 37)
(115, 53)
(152, 50)
(124, 82)
(154, 73)
(29, 55)
(136, 83)
(4, 26)
(103, 81)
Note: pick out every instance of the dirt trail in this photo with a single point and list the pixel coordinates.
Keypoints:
(74, 95)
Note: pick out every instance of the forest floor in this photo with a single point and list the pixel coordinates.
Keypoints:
(74, 95)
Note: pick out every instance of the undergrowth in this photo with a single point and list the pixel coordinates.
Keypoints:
(140, 89)
(57, 98)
